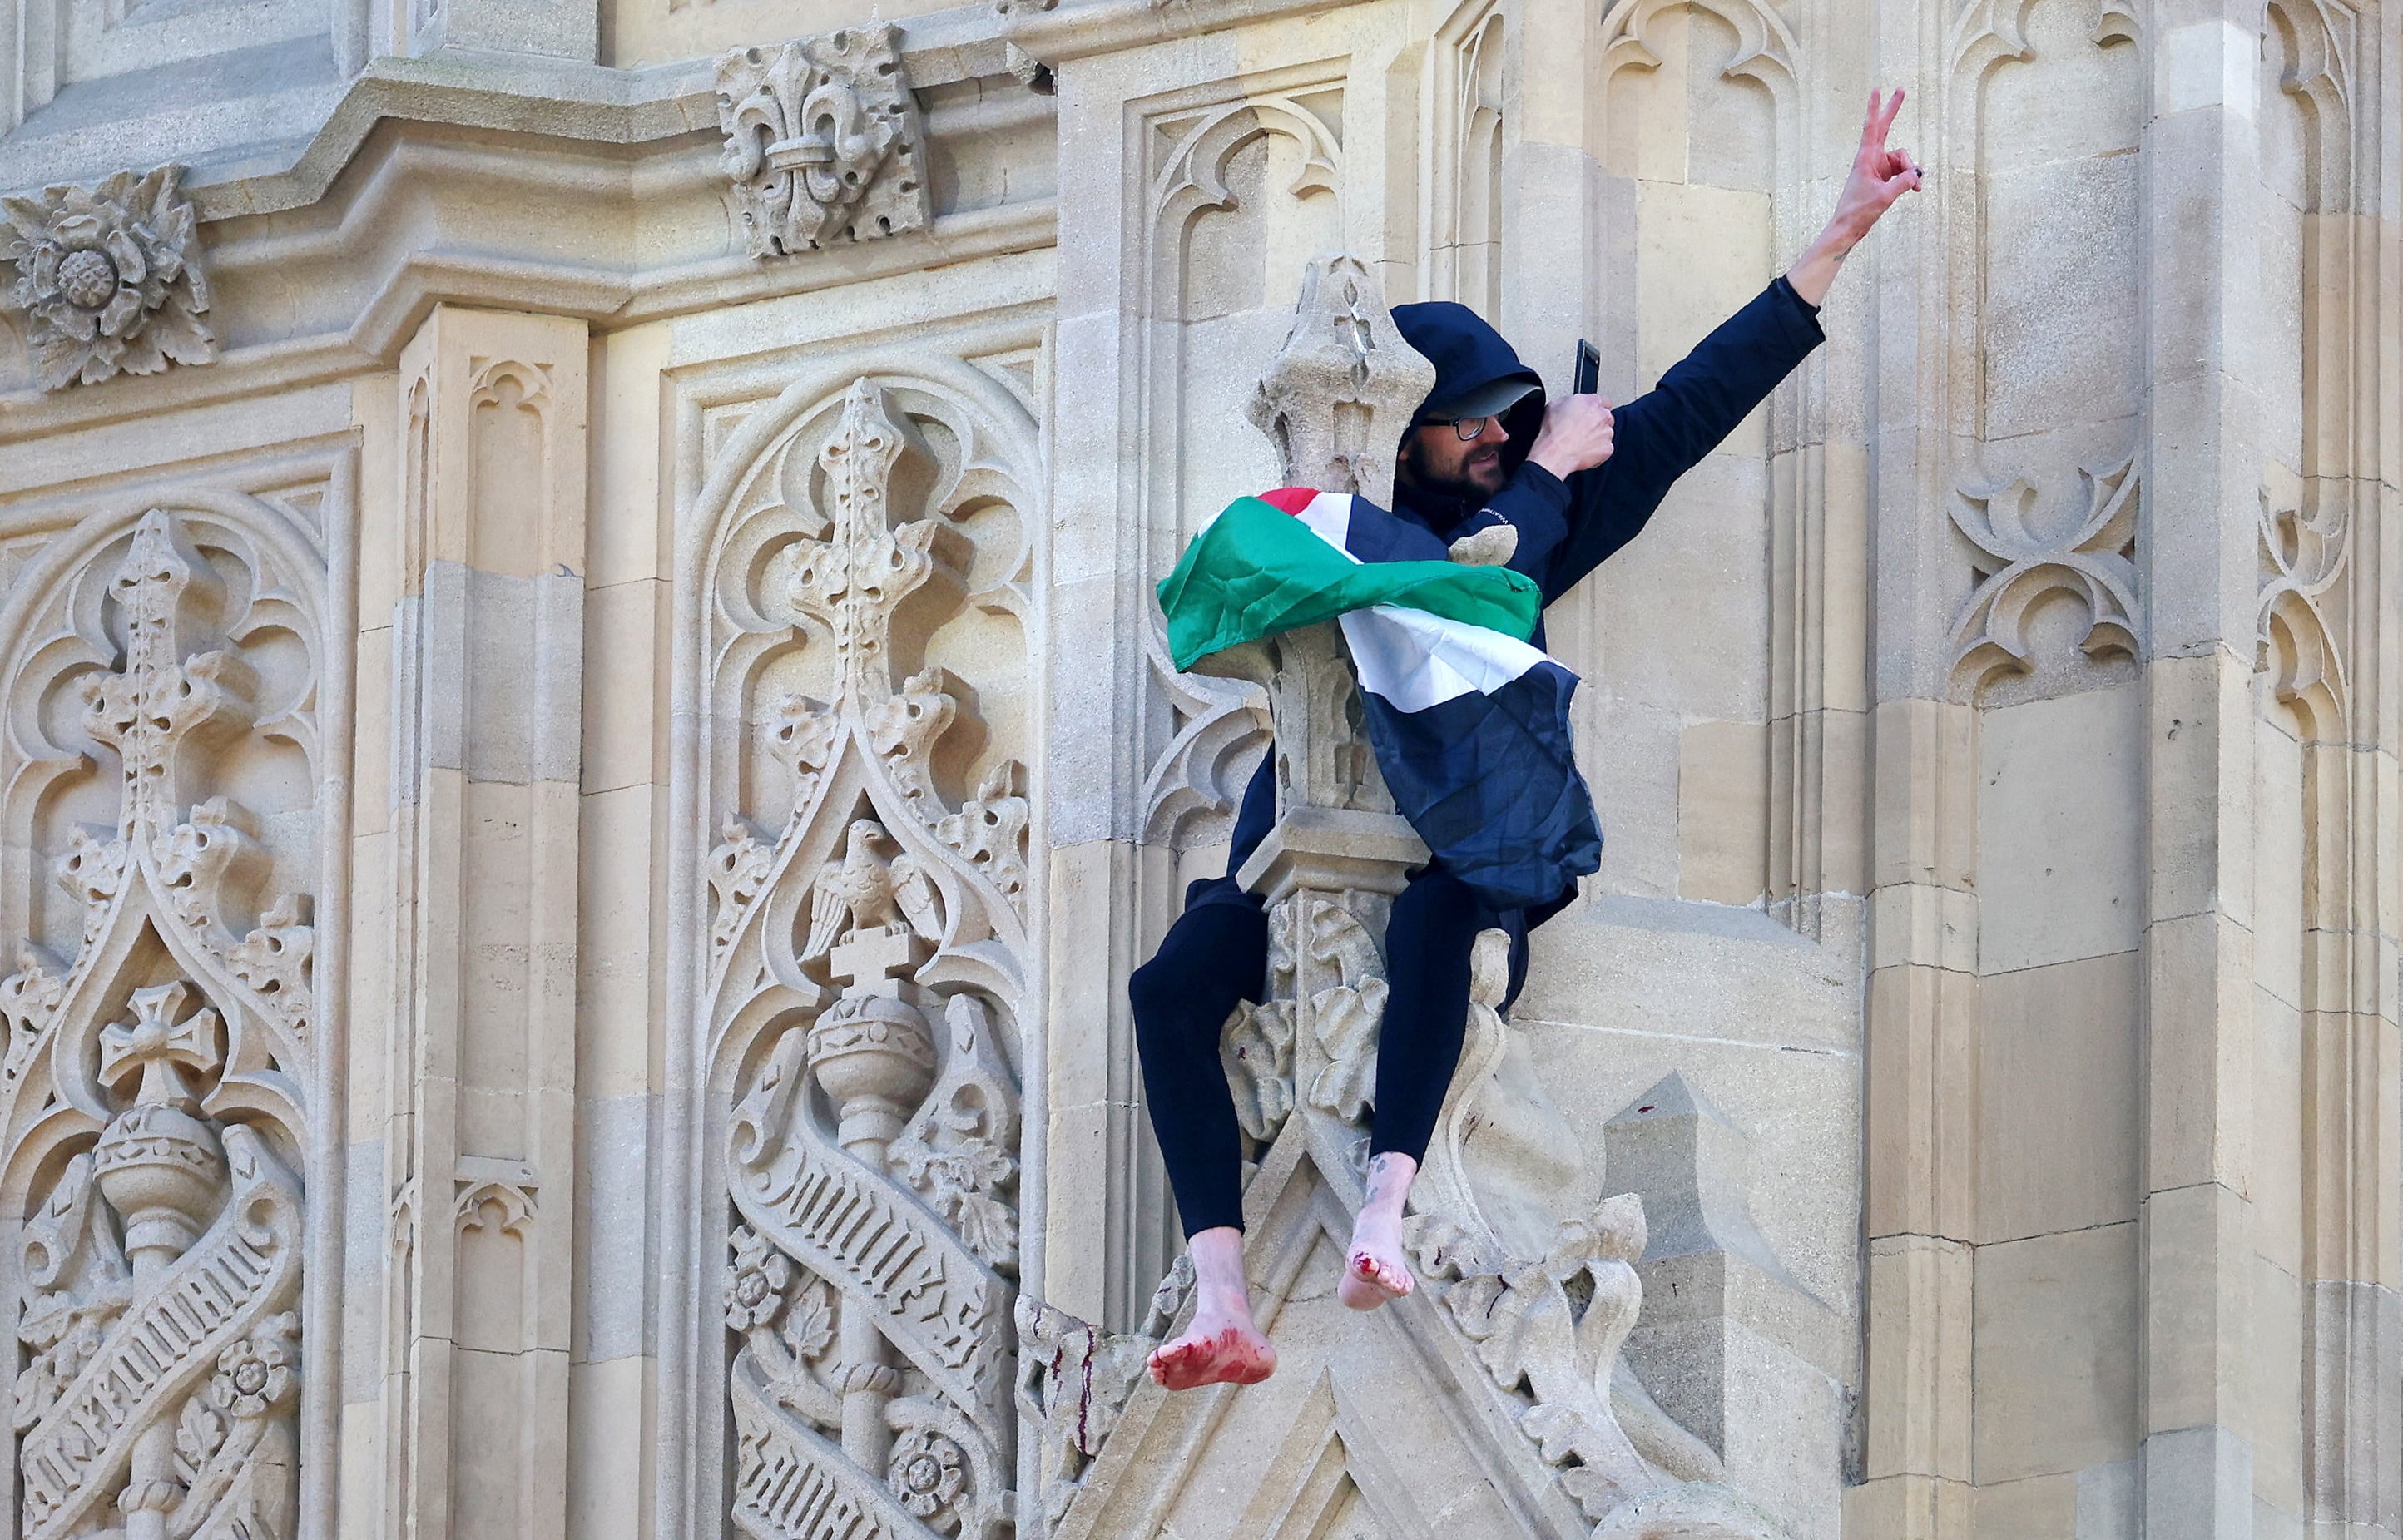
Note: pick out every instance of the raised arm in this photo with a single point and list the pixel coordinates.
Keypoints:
(1610, 468)
(1880, 175)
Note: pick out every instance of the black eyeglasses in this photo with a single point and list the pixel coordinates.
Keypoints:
(1469, 428)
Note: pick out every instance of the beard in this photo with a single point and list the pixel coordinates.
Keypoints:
(1471, 478)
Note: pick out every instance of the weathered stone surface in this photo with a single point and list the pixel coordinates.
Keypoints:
(579, 800)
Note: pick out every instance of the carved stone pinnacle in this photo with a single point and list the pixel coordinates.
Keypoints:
(1341, 391)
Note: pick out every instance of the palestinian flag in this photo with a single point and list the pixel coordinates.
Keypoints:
(1470, 723)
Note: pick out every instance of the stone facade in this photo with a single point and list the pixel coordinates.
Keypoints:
(588, 752)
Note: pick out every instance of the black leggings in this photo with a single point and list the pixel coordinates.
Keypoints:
(1216, 955)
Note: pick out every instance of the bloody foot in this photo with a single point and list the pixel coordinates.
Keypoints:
(1377, 1267)
(1222, 1346)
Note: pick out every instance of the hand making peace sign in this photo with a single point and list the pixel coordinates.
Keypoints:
(1880, 175)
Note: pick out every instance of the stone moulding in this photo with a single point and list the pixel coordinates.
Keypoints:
(108, 277)
(822, 139)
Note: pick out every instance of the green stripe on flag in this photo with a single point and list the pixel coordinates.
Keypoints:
(1257, 570)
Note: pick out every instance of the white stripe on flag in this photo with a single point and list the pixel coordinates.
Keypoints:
(1411, 658)
(1415, 659)
(1329, 517)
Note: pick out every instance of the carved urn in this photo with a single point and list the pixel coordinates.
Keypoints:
(161, 1169)
(156, 1163)
(874, 1056)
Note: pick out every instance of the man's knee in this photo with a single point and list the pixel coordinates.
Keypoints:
(1436, 903)
(1213, 952)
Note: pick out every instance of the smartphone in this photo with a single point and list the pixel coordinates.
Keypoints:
(1589, 369)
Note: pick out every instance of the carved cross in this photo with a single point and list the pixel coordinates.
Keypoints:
(857, 577)
(160, 1044)
(146, 712)
(874, 962)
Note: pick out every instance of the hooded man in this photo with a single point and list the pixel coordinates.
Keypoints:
(1573, 480)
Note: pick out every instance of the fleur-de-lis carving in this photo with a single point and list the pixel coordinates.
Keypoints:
(856, 578)
(161, 698)
(821, 141)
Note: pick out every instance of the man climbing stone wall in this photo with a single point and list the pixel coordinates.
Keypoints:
(584, 731)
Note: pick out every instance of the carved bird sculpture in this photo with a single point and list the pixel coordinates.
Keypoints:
(868, 890)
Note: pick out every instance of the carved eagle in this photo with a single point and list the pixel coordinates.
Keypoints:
(868, 890)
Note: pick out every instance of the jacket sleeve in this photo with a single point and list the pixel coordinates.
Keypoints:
(1665, 433)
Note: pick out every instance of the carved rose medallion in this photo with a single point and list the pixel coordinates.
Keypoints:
(109, 278)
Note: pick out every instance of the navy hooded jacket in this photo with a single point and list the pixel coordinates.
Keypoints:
(1568, 527)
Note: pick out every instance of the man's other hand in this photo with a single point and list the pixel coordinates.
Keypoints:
(1575, 435)
(1881, 175)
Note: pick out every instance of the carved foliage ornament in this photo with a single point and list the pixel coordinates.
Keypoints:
(822, 140)
(158, 1072)
(2305, 545)
(2019, 568)
(108, 277)
(872, 1156)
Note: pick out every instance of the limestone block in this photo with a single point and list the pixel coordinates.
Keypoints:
(1629, 753)
(2059, 1107)
(568, 31)
(1920, 1342)
(1923, 1033)
(626, 639)
(1685, 610)
(2040, 1508)
(2072, 256)
(2060, 815)
(608, 1439)
(2197, 1310)
(619, 976)
(629, 538)
(1702, 251)
(1730, 1344)
(1722, 813)
(1613, 1007)
(2201, 841)
(2281, 1120)
(1908, 1504)
(2269, 1411)
(1925, 829)
(2199, 1481)
(1917, 924)
(2199, 1057)
(2056, 1346)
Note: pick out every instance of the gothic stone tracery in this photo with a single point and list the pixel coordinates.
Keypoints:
(865, 942)
(155, 1087)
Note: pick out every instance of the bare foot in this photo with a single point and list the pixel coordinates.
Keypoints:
(1216, 1350)
(1222, 1346)
(1377, 1268)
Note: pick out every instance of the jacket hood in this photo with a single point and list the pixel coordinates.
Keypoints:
(1470, 357)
